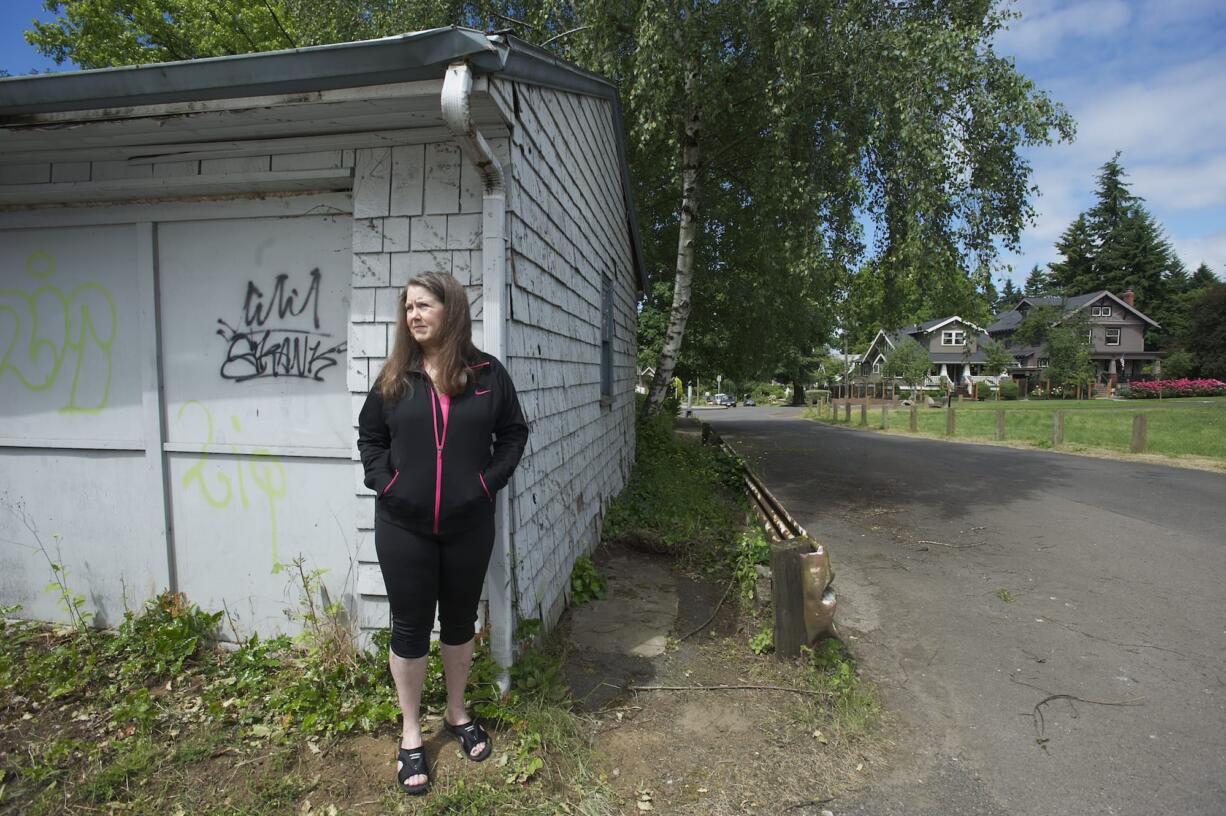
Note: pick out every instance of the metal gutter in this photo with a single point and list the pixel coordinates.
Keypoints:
(457, 114)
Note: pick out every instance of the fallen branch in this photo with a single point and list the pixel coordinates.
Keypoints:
(262, 757)
(707, 622)
(1037, 714)
(810, 803)
(732, 688)
(951, 546)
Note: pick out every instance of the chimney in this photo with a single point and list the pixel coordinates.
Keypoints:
(1130, 298)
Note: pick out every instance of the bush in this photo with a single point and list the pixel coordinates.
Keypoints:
(765, 392)
(1008, 390)
(1174, 388)
(983, 390)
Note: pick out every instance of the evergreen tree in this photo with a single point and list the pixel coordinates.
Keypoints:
(1037, 283)
(1009, 297)
(1117, 245)
(1202, 278)
(1075, 273)
(1207, 339)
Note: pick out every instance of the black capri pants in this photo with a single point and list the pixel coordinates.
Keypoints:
(420, 570)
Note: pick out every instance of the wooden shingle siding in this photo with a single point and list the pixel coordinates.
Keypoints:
(408, 221)
(568, 230)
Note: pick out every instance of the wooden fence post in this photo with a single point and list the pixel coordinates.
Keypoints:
(1057, 428)
(788, 597)
(1140, 429)
(949, 421)
(847, 412)
(885, 416)
(864, 412)
(914, 418)
(1000, 425)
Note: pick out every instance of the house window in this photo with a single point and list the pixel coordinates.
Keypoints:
(1100, 311)
(1044, 362)
(877, 367)
(953, 337)
(1113, 337)
(606, 338)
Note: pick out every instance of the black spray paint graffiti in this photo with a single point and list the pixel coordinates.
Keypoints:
(277, 336)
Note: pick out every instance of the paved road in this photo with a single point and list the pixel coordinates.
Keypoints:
(975, 581)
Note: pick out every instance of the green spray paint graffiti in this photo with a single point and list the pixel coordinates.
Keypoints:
(265, 471)
(44, 326)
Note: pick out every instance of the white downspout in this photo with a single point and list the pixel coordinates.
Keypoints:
(457, 113)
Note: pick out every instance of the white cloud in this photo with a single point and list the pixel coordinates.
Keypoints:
(1182, 186)
(1176, 112)
(1044, 27)
(1210, 249)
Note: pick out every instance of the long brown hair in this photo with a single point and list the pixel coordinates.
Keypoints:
(456, 350)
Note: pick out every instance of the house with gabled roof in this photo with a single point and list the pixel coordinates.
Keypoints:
(1117, 328)
(955, 348)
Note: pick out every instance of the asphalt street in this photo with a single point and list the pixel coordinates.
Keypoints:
(1050, 630)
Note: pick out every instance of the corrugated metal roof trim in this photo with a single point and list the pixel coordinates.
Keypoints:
(403, 58)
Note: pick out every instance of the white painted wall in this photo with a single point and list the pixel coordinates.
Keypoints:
(128, 415)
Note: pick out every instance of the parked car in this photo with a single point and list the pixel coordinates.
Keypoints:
(725, 400)
(749, 402)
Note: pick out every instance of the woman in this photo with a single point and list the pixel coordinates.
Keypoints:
(425, 437)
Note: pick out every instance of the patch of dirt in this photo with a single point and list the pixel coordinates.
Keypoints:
(722, 751)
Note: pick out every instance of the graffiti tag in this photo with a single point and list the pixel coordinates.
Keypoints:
(48, 328)
(278, 335)
(211, 481)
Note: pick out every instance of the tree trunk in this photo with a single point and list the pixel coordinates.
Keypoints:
(798, 390)
(686, 237)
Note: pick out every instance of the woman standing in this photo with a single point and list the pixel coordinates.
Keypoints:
(440, 434)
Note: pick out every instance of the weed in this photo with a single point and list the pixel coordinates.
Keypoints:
(1005, 595)
(682, 498)
(136, 759)
(830, 668)
(157, 643)
(752, 550)
(586, 584)
(764, 641)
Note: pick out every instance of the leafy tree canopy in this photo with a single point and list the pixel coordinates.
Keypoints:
(778, 126)
(908, 361)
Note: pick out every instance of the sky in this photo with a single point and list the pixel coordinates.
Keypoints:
(1145, 77)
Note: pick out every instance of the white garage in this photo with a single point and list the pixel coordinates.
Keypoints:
(198, 271)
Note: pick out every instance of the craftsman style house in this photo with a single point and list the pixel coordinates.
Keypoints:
(1117, 330)
(954, 346)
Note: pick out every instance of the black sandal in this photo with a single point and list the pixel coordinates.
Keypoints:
(470, 734)
(412, 763)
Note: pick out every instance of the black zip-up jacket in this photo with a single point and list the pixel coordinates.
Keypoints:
(440, 479)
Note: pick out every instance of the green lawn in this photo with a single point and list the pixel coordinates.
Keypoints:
(1176, 427)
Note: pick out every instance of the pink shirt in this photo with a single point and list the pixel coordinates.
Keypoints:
(444, 402)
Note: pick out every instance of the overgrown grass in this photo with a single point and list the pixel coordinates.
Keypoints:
(1175, 428)
(134, 718)
(683, 498)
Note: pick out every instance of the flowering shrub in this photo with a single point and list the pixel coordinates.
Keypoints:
(1174, 388)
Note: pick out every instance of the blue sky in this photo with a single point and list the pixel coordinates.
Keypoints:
(1147, 77)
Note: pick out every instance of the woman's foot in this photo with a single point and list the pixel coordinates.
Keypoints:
(411, 770)
(473, 738)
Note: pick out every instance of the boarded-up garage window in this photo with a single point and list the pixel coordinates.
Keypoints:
(606, 337)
